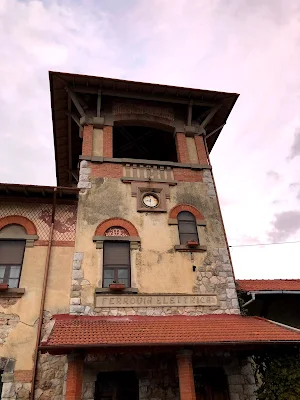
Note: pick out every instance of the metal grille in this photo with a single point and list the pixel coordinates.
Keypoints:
(116, 231)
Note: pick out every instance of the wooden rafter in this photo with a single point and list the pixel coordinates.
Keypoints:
(210, 116)
(76, 102)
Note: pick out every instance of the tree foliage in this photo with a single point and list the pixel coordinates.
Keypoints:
(277, 373)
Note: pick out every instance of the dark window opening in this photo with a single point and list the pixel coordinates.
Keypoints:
(123, 385)
(143, 142)
(116, 263)
(211, 384)
(11, 259)
(187, 227)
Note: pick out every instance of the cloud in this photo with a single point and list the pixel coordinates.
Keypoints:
(285, 225)
(295, 149)
(249, 47)
(273, 175)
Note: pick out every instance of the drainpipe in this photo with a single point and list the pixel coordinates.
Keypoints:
(47, 265)
(250, 301)
(263, 292)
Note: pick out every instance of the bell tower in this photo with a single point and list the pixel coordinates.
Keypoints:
(149, 230)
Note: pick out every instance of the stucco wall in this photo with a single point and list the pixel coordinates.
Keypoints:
(20, 342)
(156, 267)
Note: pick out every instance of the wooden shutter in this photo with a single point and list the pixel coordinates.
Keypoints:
(11, 252)
(116, 254)
(187, 227)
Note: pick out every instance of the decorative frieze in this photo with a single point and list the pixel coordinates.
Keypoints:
(126, 108)
(109, 301)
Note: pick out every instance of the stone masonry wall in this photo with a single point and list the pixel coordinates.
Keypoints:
(216, 276)
(51, 377)
(7, 323)
(241, 380)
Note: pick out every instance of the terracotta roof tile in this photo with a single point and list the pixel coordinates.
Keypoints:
(137, 331)
(256, 285)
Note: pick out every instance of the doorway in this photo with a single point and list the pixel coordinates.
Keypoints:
(117, 385)
(211, 384)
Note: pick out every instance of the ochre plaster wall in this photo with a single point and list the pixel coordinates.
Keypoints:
(20, 342)
(156, 267)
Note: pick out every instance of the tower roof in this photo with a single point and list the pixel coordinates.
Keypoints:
(67, 143)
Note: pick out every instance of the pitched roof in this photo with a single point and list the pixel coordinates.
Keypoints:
(256, 285)
(83, 331)
(64, 153)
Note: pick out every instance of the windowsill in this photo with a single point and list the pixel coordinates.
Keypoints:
(198, 248)
(18, 292)
(109, 291)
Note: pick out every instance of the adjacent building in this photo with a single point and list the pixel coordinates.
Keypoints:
(118, 282)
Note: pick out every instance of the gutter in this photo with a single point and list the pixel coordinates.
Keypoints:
(71, 347)
(43, 297)
(275, 292)
(253, 294)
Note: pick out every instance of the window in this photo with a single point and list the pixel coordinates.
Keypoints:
(11, 259)
(116, 263)
(187, 227)
(143, 142)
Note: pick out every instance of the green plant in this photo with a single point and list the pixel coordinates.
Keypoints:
(244, 310)
(277, 374)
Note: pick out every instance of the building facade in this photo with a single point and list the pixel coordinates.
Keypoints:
(118, 282)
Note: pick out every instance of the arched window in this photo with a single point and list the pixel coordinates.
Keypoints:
(116, 258)
(187, 227)
(12, 246)
(117, 237)
(116, 263)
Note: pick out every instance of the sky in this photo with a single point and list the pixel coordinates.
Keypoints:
(251, 47)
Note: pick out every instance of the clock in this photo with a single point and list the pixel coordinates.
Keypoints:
(150, 200)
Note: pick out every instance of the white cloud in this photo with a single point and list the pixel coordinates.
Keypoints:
(238, 46)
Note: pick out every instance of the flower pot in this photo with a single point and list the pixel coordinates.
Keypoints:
(3, 286)
(117, 286)
(192, 243)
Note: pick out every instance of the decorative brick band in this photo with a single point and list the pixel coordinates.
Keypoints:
(187, 175)
(23, 376)
(185, 207)
(109, 223)
(19, 220)
(106, 170)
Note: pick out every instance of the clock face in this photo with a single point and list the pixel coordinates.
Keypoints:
(150, 200)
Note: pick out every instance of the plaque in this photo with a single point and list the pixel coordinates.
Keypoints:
(116, 301)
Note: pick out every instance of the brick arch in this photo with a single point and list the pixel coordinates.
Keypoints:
(123, 223)
(186, 207)
(19, 220)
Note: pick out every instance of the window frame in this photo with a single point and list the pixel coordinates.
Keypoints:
(192, 222)
(116, 268)
(8, 266)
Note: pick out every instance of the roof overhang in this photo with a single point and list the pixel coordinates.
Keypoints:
(68, 333)
(60, 104)
(35, 193)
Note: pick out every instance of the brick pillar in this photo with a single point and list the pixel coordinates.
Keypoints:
(74, 378)
(87, 140)
(182, 149)
(108, 141)
(201, 151)
(186, 375)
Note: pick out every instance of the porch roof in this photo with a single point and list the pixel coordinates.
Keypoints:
(83, 331)
(263, 285)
